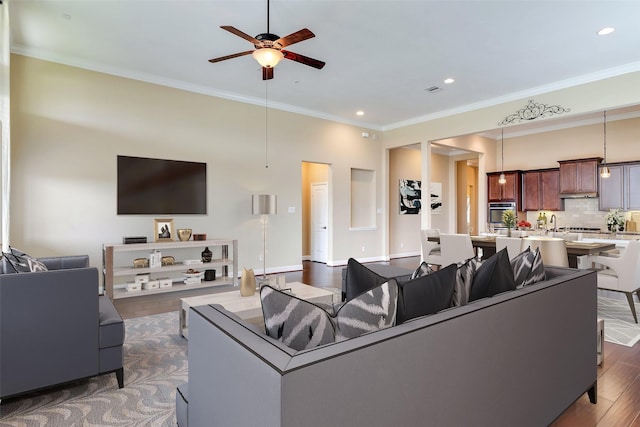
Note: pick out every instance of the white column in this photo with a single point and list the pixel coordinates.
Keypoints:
(5, 132)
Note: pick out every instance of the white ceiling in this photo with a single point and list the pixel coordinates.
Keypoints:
(380, 55)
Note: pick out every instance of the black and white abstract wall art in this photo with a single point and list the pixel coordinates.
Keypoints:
(436, 197)
(410, 194)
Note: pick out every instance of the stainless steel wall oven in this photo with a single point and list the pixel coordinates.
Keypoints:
(494, 214)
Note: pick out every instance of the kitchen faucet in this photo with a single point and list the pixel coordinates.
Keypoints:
(554, 221)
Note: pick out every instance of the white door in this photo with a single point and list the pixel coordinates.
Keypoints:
(319, 220)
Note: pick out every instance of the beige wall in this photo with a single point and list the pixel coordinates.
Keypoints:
(586, 98)
(404, 230)
(69, 124)
(543, 150)
(467, 183)
(441, 172)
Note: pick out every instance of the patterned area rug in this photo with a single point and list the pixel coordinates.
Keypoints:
(155, 364)
(619, 327)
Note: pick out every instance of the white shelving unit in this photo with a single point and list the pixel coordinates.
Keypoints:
(118, 265)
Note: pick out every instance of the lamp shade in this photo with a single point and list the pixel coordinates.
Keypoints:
(268, 57)
(605, 172)
(263, 204)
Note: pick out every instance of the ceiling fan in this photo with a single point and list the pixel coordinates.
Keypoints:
(269, 48)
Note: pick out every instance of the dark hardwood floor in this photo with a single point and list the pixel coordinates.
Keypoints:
(618, 377)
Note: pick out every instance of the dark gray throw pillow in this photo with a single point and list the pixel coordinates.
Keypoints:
(295, 322)
(360, 279)
(428, 294)
(464, 277)
(493, 277)
(537, 270)
(422, 270)
(301, 325)
(521, 265)
(370, 311)
(19, 262)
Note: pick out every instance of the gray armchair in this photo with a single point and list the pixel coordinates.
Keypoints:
(55, 328)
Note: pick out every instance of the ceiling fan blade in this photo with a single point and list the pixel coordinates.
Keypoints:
(239, 33)
(296, 37)
(267, 73)
(303, 59)
(235, 55)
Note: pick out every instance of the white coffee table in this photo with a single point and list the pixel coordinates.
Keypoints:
(248, 307)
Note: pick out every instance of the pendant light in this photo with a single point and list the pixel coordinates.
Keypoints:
(604, 170)
(502, 179)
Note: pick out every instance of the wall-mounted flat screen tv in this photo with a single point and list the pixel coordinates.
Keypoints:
(161, 187)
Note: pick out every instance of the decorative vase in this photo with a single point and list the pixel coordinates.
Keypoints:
(247, 283)
(508, 231)
(184, 234)
(206, 255)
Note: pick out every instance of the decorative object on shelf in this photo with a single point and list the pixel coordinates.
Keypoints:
(207, 255)
(509, 220)
(163, 229)
(614, 220)
(133, 286)
(142, 278)
(247, 283)
(209, 275)
(532, 111)
(193, 277)
(165, 282)
(141, 262)
(264, 205)
(200, 236)
(168, 260)
(151, 284)
(155, 259)
(184, 234)
(604, 169)
(134, 239)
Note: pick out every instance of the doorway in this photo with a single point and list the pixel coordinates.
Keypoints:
(315, 211)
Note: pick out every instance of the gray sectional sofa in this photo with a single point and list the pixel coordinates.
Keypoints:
(518, 358)
(55, 328)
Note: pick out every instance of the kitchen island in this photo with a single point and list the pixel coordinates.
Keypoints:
(574, 248)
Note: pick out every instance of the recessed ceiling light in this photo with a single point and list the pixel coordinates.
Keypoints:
(359, 113)
(605, 31)
(449, 81)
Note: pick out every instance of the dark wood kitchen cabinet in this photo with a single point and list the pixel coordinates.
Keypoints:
(579, 176)
(622, 189)
(508, 192)
(541, 190)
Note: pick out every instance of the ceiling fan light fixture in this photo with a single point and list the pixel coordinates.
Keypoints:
(268, 57)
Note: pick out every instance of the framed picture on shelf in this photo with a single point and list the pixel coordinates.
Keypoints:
(163, 229)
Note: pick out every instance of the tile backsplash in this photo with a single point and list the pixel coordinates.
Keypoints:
(577, 213)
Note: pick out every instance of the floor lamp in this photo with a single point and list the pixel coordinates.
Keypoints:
(264, 204)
